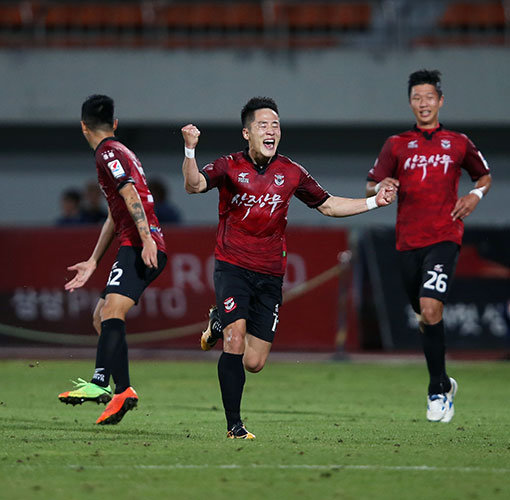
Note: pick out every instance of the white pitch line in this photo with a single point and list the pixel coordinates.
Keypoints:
(371, 467)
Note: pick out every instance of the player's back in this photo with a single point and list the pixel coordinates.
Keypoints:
(117, 166)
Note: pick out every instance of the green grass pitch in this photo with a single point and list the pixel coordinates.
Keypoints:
(324, 430)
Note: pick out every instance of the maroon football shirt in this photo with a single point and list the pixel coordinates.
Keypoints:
(428, 165)
(253, 206)
(116, 166)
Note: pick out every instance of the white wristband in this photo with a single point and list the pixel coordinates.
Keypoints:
(478, 192)
(371, 203)
(377, 187)
(189, 153)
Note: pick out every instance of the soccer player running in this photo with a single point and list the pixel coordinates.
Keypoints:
(424, 165)
(140, 259)
(255, 188)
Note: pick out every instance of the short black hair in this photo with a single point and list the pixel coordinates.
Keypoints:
(97, 112)
(433, 77)
(253, 104)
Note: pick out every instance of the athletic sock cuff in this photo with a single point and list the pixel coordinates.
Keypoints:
(231, 356)
(433, 330)
(116, 323)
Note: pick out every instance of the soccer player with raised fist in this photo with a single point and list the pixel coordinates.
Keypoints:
(255, 188)
(424, 164)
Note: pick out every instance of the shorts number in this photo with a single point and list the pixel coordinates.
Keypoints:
(436, 282)
(114, 278)
(275, 322)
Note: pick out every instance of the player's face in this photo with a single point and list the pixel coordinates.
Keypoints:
(425, 103)
(263, 134)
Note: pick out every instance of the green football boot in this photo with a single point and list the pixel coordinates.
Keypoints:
(86, 391)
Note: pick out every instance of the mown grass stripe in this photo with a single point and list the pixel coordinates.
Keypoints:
(423, 468)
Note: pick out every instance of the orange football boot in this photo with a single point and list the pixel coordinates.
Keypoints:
(118, 407)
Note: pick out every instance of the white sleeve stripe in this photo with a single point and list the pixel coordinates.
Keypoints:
(484, 161)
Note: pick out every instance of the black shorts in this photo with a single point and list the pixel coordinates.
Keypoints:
(244, 294)
(428, 271)
(129, 275)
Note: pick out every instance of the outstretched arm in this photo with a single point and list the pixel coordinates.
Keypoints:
(467, 203)
(194, 181)
(135, 208)
(85, 269)
(336, 206)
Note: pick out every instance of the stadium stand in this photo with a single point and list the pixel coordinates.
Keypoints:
(117, 16)
(474, 15)
(10, 16)
(271, 23)
(324, 15)
(470, 23)
(210, 15)
(16, 15)
(166, 23)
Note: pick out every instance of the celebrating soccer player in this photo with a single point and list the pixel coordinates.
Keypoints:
(255, 188)
(424, 164)
(140, 259)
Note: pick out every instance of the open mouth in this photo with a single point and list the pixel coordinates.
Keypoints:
(269, 144)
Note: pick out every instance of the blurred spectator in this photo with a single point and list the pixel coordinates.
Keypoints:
(93, 211)
(166, 212)
(70, 208)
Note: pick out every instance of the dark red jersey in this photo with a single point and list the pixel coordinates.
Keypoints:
(116, 166)
(428, 165)
(253, 206)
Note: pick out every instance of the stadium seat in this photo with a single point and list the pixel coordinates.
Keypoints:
(210, 15)
(10, 16)
(93, 16)
(174, 16)
(16, 14)
(324, 15)
(243, 16)
(473, 15)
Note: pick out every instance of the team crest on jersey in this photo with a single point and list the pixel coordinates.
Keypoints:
(116, 168)
(446, 144)
(438, 268)
(279, 179)
(230, 304)
(412, 144)
(243, 178)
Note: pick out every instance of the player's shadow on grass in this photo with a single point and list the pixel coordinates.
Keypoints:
(249, 410)
(76, 428)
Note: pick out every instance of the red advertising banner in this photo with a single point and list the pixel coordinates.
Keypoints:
(173, 310)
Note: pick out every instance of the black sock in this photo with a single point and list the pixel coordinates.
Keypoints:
(112, 332)
(232, 377)
(120, 369)
(434, 350)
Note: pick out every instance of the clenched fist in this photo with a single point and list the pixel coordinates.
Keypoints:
(190, 133)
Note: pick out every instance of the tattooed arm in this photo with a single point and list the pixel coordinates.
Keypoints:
(135, 208)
